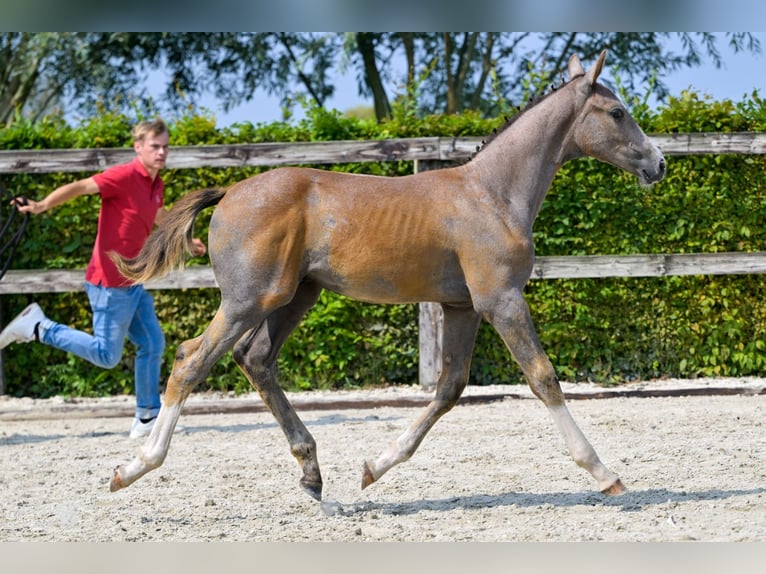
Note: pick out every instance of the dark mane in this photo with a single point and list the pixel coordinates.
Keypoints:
(531, 103)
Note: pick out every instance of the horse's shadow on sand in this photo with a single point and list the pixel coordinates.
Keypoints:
(635, 501)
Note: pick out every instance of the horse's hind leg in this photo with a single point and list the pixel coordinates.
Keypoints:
(256, 354)
(459, 336)
(193, 361)
(511, 318)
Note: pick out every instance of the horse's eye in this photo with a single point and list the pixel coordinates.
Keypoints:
(616, 113)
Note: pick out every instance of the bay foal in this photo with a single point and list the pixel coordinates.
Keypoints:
(461, 237)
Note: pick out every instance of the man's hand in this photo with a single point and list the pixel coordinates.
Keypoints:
(198, 248)
(25, 205)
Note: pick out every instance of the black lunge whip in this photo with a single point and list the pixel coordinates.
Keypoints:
(10, 234)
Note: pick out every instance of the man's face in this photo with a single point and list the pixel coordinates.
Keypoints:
(153, 152)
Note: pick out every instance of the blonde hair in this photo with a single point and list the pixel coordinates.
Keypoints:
(154, 127)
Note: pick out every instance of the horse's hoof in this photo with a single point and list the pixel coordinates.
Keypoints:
(116, 483)
(367, 478)
(313, 489)
(616, 489)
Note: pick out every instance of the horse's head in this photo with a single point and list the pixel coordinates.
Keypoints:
(605, 130)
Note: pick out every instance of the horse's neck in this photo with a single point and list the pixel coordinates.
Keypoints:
(519, 166)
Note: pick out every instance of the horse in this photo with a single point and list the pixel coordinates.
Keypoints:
(460, 237)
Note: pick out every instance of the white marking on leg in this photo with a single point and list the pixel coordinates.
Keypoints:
(153, 452)
(581, 450)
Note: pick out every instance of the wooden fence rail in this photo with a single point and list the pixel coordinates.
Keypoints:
(551, 267)
(275, 154)
(427, 153)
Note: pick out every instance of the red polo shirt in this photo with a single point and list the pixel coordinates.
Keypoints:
(129, 204)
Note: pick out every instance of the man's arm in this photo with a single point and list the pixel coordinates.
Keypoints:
(58, 196)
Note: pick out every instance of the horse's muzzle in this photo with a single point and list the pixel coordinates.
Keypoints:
(654, 176)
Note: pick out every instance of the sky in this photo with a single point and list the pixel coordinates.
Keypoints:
(740, 74)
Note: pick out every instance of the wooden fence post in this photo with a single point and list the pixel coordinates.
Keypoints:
(430, 318)
(430, 344)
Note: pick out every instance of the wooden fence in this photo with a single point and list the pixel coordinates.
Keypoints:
(427, 153)
(275, 154)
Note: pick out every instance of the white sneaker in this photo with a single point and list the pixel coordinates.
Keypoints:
(22, 328)
(141, 429)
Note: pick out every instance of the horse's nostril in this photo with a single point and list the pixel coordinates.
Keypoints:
(662, 165)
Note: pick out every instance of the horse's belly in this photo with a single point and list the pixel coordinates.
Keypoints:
(396, 282)
(385, 291)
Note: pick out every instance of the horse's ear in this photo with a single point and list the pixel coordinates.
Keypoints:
(574, 67)
(595, 69)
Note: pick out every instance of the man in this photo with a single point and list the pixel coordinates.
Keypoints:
(132, 197)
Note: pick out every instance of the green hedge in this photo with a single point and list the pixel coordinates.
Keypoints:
(605, 330)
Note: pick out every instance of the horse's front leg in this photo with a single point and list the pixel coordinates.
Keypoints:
(459, 335)
(511, 318)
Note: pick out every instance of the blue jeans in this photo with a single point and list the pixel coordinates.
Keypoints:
(118, 312)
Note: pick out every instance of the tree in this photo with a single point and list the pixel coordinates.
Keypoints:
(366, 42)
(28, 72)
(436, 72)
(43, 72)
(484, 70)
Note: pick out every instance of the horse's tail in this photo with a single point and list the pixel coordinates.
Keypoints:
(170, 241)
